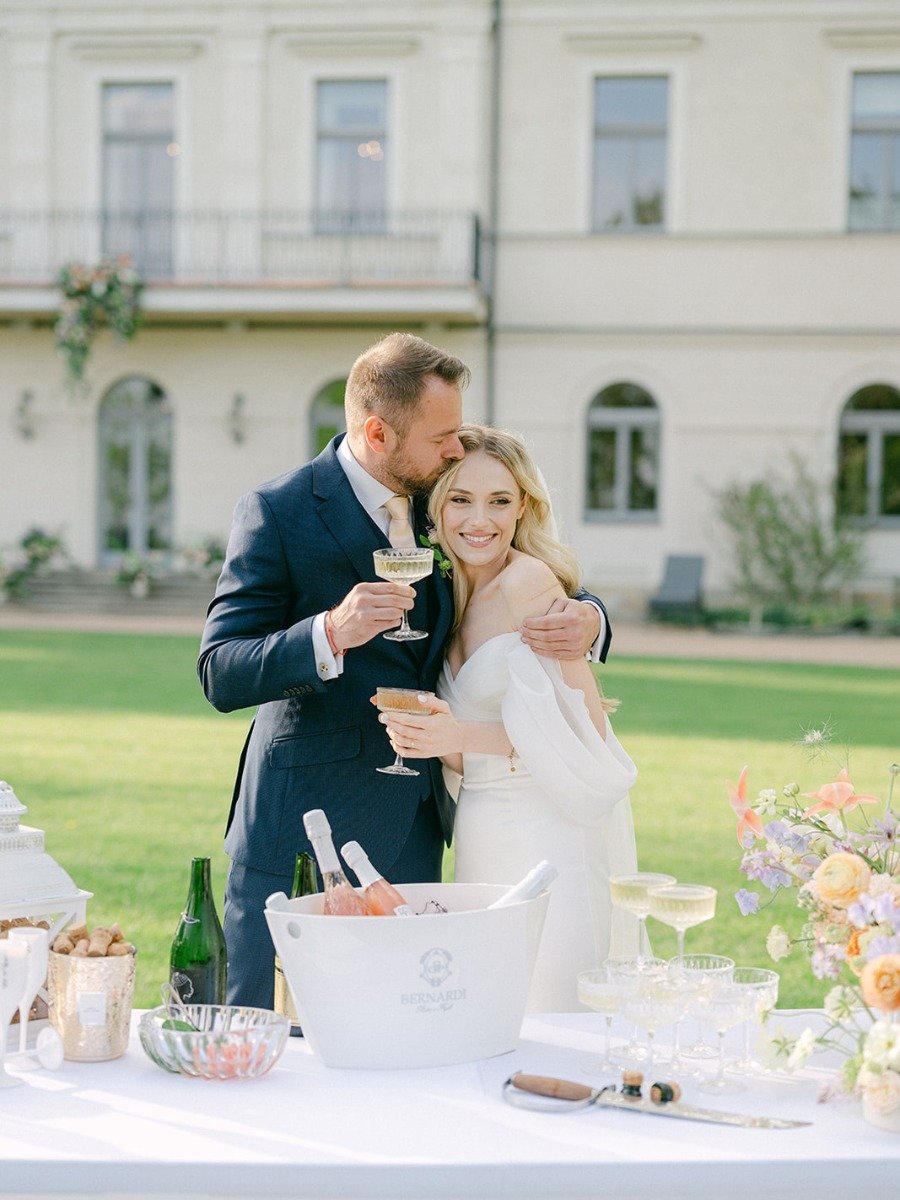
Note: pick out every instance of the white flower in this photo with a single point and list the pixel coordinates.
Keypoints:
(841, 1002)
(882, 1092)
(778, 944)
(803, 1048)
(833, 821)
(881, 1050)
(878, 885)
(766, 802)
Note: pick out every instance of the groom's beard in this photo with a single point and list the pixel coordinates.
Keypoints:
(408, 479)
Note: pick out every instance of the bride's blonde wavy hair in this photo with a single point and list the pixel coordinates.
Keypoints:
(536, 529)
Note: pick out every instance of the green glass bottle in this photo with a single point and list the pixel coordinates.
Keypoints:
(305, 884)
(198, 959)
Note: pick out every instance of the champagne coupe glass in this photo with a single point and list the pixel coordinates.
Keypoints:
(598, 991)
(701, 976)
(13, 973)
(682, 905)
(36, 942)
(655, 1002)
(405, 700)
(631, 893)
(761, 984)
(628, 974)
(404, 566)
(724, 1010)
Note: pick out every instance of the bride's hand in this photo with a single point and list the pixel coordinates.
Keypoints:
(432, 735)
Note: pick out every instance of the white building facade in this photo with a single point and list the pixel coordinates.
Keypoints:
(665, 234)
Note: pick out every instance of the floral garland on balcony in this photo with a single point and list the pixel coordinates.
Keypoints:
(108, 294)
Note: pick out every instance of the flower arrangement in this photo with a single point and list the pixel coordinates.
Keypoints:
(137, 574)
(847, 876)
(91, 296)
(429, 540)
(205, 558)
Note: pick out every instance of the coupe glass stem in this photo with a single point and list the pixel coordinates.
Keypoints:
(680, 933)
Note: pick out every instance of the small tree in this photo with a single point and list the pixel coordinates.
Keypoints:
(788, 546)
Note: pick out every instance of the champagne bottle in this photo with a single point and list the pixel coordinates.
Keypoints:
(382, 898)
(198, 959)
(305, 884)
(341, 900)
(532, 885)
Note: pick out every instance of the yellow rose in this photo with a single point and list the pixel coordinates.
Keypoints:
(880, 982)
(840, 879)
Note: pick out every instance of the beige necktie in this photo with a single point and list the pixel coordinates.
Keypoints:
(400, 533)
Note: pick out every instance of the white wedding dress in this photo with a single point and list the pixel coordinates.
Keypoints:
(566, 801)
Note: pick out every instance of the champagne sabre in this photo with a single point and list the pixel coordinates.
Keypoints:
(579, 1095)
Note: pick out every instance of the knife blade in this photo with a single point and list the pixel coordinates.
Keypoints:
(579, 1095)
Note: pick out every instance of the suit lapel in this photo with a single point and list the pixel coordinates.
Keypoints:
(343, 515)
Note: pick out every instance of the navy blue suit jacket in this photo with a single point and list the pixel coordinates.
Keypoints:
(298, 545)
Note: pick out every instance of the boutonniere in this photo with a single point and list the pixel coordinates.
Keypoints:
(445, 566)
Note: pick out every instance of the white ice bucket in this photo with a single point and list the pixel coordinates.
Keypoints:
(422, 991)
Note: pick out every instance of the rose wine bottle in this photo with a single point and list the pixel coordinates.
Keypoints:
(382, 898)
(532, 885)
(341, 899)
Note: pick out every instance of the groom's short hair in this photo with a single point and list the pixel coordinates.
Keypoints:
(388, 379)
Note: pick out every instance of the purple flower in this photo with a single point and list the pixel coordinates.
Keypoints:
(883, 945)
(748, 902)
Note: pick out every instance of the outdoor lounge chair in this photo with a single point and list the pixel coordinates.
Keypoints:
(680, 594)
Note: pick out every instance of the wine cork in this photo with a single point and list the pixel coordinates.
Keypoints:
(80, 948)
(99, 942)
(631, 1084)
(77, 932)
(665, 1093)
(119, 949)
(116, 934)
(62, 944)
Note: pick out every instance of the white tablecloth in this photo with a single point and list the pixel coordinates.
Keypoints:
(127, 1128)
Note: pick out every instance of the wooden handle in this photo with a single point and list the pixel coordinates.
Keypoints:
(546, 1085)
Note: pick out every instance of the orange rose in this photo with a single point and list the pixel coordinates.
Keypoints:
(853, 949)
(880, 982)
(840, 878)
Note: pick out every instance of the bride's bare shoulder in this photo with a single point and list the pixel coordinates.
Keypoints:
(528, 586)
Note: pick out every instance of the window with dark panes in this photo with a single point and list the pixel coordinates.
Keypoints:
(326, 418)
(623, 453)
(630, 147)
(868, 476)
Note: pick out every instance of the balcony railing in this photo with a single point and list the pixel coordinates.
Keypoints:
(303, 249)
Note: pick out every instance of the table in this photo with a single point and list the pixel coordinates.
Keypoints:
(126, 1128)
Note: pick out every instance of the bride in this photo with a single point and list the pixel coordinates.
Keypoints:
(542, 773)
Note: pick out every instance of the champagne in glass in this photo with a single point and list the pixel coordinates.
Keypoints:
(404, 566)
(725, 1009)
(631, 892)
(405, 700)
(682, 905)
(762, 986)
(13, 977)
(598, 991)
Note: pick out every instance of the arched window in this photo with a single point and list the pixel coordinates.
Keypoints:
(869, 456)
(326, 417)
(623, 453)
(135, 501)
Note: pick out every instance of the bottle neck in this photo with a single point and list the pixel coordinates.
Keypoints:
(326, 855)
(364, 871)
(305, 883)
(200, 890)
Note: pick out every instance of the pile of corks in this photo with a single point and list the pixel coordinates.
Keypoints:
(20, 923)
(103, 942)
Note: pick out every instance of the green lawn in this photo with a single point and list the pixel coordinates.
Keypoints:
(109, 742)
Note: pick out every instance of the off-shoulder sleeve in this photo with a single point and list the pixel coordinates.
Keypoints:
(548, 723)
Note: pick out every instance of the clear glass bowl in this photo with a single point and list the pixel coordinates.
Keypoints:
(230, 1042)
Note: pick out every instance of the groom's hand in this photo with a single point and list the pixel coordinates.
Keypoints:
(368, 610)
(567, 631)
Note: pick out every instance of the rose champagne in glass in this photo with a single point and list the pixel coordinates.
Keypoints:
(631, 892)
(404, 566)
(681, 906)
(405, 700)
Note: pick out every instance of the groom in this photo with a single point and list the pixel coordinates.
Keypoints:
(295, 628)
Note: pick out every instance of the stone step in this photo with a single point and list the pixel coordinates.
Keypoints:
(98, 592)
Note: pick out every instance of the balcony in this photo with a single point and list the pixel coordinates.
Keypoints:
(267, 265)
